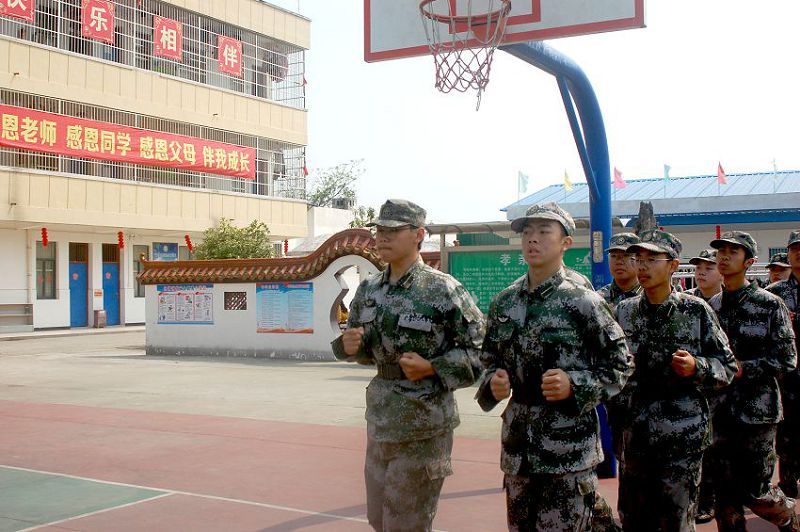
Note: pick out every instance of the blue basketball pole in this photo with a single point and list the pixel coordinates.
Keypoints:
(590, 139)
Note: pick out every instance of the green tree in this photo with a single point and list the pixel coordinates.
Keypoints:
(336, 182)
(363, 216)
(226, 241)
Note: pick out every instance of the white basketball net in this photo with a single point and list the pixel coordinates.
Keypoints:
(463, 35)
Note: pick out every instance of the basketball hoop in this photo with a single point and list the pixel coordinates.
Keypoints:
(463, 44)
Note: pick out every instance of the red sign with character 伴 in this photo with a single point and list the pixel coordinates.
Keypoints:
(97, 20)
(229, 55)
(32, 130)
(24, 9)
(167, 38)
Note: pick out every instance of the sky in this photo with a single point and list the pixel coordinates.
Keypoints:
(705, 82)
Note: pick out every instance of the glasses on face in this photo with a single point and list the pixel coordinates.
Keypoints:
(390, 232)
(649, 262)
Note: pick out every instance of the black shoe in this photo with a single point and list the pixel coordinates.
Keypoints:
(704, 515)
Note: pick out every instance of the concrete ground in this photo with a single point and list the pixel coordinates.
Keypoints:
(97, 436)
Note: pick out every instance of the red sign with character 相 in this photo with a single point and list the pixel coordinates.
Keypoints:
(28, 129)
(167, 38)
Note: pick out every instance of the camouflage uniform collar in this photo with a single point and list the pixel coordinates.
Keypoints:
(407, 278)
(635, 291)
(739, 295)
(547, 287)
(671, 303)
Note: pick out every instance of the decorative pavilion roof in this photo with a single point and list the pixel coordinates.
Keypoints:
(348, 242)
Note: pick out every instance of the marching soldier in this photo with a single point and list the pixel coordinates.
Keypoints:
(554, 347)
(423, 331)
(788, 440)
(706, 275)
(680, 353)
(779, 267)
(745, 421)
(623, 270)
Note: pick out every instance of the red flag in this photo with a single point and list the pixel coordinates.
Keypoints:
(618, 181)
(722, 179)
(305, 170)
(304, 80)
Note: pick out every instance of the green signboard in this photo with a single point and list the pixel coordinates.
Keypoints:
(485, 273)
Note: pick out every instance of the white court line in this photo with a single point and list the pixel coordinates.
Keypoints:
(177, 492)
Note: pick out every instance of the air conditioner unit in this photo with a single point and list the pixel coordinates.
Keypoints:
(343, 203)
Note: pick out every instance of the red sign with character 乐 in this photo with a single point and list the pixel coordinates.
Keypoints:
(24, 9)
(97, 20)
(167, 38)
(28, 129)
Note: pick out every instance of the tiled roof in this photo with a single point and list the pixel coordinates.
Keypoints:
(705, 186)
(349, 242)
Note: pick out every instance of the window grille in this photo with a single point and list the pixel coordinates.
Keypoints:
(235, 300)
(279, 165)
(271, 69)
(46, 271)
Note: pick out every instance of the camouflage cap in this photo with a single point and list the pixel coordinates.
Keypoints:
(794, 237)
(739, 238)
(658, 241)
(707, 255)
(779, 259)
(622, 241)
(399, 212)
(546, 211)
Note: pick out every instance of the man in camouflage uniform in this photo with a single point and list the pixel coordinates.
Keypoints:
(706, 275)
(788, 440)
(680, 353)
(423, 331)
(745, 419)
(623, 270)
(556, 346)
(779, 267)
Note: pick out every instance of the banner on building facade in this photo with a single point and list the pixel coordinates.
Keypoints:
(24, 9)
(97, 20)
(285, 308)
(167, 38)
(28, 129)
(229, 52)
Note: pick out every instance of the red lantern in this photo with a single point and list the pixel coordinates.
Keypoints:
(44, 237)
(285, 247)
(718, 231)
(121, 239)
(188, 243)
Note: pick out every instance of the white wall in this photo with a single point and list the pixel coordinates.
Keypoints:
(233, 332)
(325, 220)
(13, 281)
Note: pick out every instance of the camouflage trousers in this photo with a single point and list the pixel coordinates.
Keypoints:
(550, 502)
(788, 447)
(659, 493)
(744, 462)
(404, 481)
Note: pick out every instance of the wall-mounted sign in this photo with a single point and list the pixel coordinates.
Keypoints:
(185, 304)
(165, 251)
(285, 307)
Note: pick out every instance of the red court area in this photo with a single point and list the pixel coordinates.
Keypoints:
(162, 471)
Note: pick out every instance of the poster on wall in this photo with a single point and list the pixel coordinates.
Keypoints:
(165, 251)
(185, 304)
(285, 308)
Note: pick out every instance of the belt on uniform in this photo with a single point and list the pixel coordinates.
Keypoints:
(391, 372)
(527, 397)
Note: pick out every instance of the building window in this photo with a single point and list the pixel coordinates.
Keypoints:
(138, 251)
(773, 251)
(184, 253)
(46, 271)
(235, 300)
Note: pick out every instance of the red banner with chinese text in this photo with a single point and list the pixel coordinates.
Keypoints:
(24, 9)
(167, 38)
(28, 129)
(229, 55)
(97, 20)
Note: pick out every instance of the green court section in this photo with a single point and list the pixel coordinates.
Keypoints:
(29, 499)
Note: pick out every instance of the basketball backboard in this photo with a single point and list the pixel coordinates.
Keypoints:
(393, 29)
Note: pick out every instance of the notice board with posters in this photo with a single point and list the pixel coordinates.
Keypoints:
(185, 304)
(484, 273)
(285, 308)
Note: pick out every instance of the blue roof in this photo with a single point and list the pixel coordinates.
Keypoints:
(705, 186)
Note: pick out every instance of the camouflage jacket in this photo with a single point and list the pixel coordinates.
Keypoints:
(696, 292)
(562, 325)
(578, 278)
(613, 294)
(664, 412)
(760, 332)
(789, 291)
(427, 312)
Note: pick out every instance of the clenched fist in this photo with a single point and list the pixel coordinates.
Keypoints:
(500, 385)
(351, 340)
(683, 363)
(415, 367)
(556, 385)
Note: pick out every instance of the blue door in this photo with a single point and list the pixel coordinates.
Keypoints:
(78, 295)
(111, 292)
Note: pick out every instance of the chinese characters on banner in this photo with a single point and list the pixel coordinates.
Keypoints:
(167, 38)
(97, 20)
(32, 130)
(23, 9)
(229, 56)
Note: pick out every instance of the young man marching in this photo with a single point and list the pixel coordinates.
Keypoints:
(554, 347)
(745, 421)
(681, 354)
(625, 284)
(423, 331)
(706, 275)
